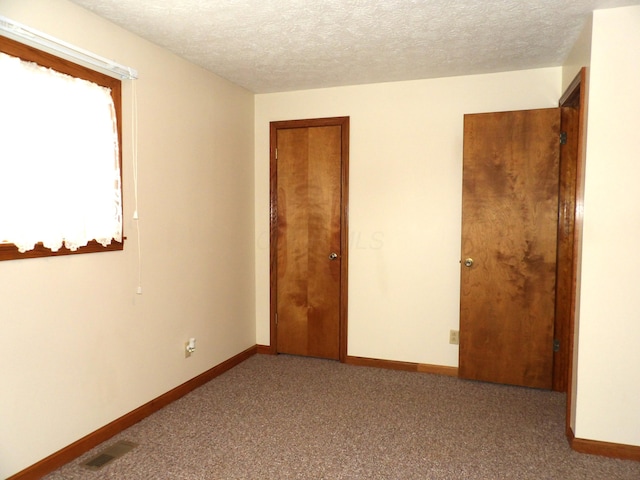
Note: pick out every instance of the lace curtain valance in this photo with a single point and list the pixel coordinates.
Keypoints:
(59, 159)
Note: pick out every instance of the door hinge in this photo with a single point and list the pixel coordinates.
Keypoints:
(276, 153)
(556, 345)
(563, 138)
(276, 319)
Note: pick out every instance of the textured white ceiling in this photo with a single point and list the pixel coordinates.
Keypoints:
(282, 45)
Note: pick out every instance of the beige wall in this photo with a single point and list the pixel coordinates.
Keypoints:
(405, 201)
(608, 386)
(78, 347)
(579, 56)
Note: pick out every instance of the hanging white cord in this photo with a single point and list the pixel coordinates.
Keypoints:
(134, 152)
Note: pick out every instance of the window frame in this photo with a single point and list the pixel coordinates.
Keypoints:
(9, 251)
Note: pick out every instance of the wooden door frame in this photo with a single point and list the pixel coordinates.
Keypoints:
(343, 122)
(565, 268)
(576, 97)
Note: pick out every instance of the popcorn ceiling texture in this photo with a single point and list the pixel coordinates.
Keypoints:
(283, 45)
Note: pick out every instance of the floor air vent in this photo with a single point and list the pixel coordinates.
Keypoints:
(110, 453)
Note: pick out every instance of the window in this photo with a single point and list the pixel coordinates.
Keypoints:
(60, 145)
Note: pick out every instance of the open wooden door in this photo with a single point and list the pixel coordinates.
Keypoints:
(309, 245)
(509, 234)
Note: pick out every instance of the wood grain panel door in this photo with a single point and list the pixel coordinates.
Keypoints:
(310, 244)
(509, 234)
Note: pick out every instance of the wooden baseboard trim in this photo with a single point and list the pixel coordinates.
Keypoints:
(70, 452)
(266, 350)
(406, 366)
(438, 369)
(605, 449)
(388, 364)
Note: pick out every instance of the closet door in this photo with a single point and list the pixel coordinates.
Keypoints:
(509, 236)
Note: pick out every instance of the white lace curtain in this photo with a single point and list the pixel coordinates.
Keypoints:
(59, 161)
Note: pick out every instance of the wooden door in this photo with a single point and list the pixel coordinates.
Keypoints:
(310, 245)
(565, 263)
(509, 233)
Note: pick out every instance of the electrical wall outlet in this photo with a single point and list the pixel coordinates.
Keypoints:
(189, 347)
(454, 337)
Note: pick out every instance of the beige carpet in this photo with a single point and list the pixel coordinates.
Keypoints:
(283, 417)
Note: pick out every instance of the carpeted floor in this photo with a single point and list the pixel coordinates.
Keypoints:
(283, 417)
